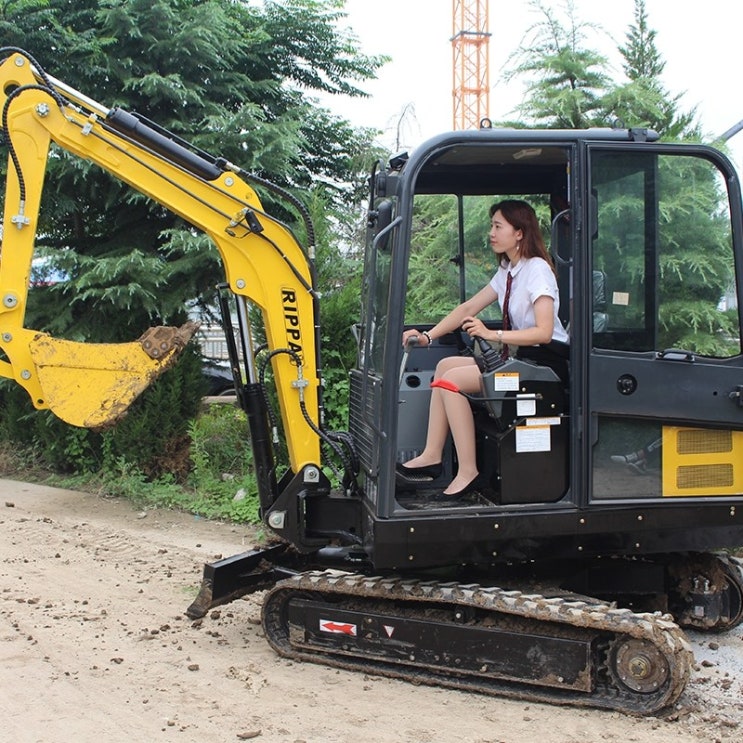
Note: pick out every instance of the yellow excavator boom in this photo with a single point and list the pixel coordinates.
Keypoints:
(91, 385)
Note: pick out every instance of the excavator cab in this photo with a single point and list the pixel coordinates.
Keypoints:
(427, 247)
(492, 592)
(646, 241)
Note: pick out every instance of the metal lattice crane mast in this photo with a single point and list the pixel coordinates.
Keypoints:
(470, 44)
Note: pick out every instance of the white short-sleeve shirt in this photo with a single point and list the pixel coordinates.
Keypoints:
(531, 278)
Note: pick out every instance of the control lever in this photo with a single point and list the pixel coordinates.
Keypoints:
(491, 359)
(412, 342)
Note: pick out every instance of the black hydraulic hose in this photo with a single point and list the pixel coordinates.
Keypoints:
(39, 70)
(47, 87)
(351, 462)
(290, 197)
(11, 147)
(262, 377)
(332, 440)
(309, 287)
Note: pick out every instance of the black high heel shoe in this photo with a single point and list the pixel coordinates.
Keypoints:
(442, 497)
(419, 474)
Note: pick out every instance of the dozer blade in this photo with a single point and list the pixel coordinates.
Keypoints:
(91, 385)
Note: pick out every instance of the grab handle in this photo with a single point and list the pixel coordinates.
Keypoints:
(676, 354)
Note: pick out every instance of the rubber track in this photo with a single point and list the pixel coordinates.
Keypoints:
(609, 693)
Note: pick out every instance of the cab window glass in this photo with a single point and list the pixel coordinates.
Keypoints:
(663, 270)
(450, 254)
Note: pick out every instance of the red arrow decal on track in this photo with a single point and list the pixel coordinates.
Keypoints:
(327, 625)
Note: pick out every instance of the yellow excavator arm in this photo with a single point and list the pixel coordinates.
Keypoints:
(91, 385)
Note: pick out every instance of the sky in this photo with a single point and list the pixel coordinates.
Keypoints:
(700, 44)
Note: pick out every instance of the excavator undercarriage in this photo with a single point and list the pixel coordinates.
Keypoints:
(530, 639)
(562, 649)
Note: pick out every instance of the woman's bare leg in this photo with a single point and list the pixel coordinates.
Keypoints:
(462, 424)
(438, 421)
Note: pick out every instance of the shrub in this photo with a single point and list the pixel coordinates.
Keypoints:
(222, 460)
(153, 436)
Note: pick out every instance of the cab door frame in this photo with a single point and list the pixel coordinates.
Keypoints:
(673, 387)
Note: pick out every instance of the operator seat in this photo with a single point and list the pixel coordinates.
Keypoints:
(600, 316)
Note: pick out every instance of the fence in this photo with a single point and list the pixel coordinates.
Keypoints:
(212, 341)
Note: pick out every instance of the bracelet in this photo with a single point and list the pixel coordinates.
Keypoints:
(428, 337)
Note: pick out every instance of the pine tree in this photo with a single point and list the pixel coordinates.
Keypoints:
(567, 85)
(566, 81)
(235, 79)
(642, 59)
(643, 101)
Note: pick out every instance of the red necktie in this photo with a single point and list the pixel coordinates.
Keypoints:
(506, 318)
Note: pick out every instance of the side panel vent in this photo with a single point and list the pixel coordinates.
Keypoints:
(364, 417)
(697, 461)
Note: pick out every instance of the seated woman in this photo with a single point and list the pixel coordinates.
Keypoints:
(525, 285)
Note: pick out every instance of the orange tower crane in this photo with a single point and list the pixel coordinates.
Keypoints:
(470, 40)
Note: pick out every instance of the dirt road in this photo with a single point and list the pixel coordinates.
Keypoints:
(94, 646)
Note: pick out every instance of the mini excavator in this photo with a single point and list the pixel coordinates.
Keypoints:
(569, 575)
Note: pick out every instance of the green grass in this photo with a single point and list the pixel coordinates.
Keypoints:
(220, 484)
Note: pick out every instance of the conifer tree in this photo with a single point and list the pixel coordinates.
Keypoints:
(565, 79)
(643, 100)
(235, 79)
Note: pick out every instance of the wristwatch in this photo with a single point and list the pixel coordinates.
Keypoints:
(500, 335)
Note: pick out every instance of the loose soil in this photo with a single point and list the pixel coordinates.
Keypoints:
(94, 646)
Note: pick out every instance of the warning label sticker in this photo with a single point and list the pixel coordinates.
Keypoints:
(337, 628)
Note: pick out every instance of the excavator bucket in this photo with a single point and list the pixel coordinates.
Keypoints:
(91, 385)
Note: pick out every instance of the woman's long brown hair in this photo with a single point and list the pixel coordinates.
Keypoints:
(521, 216)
